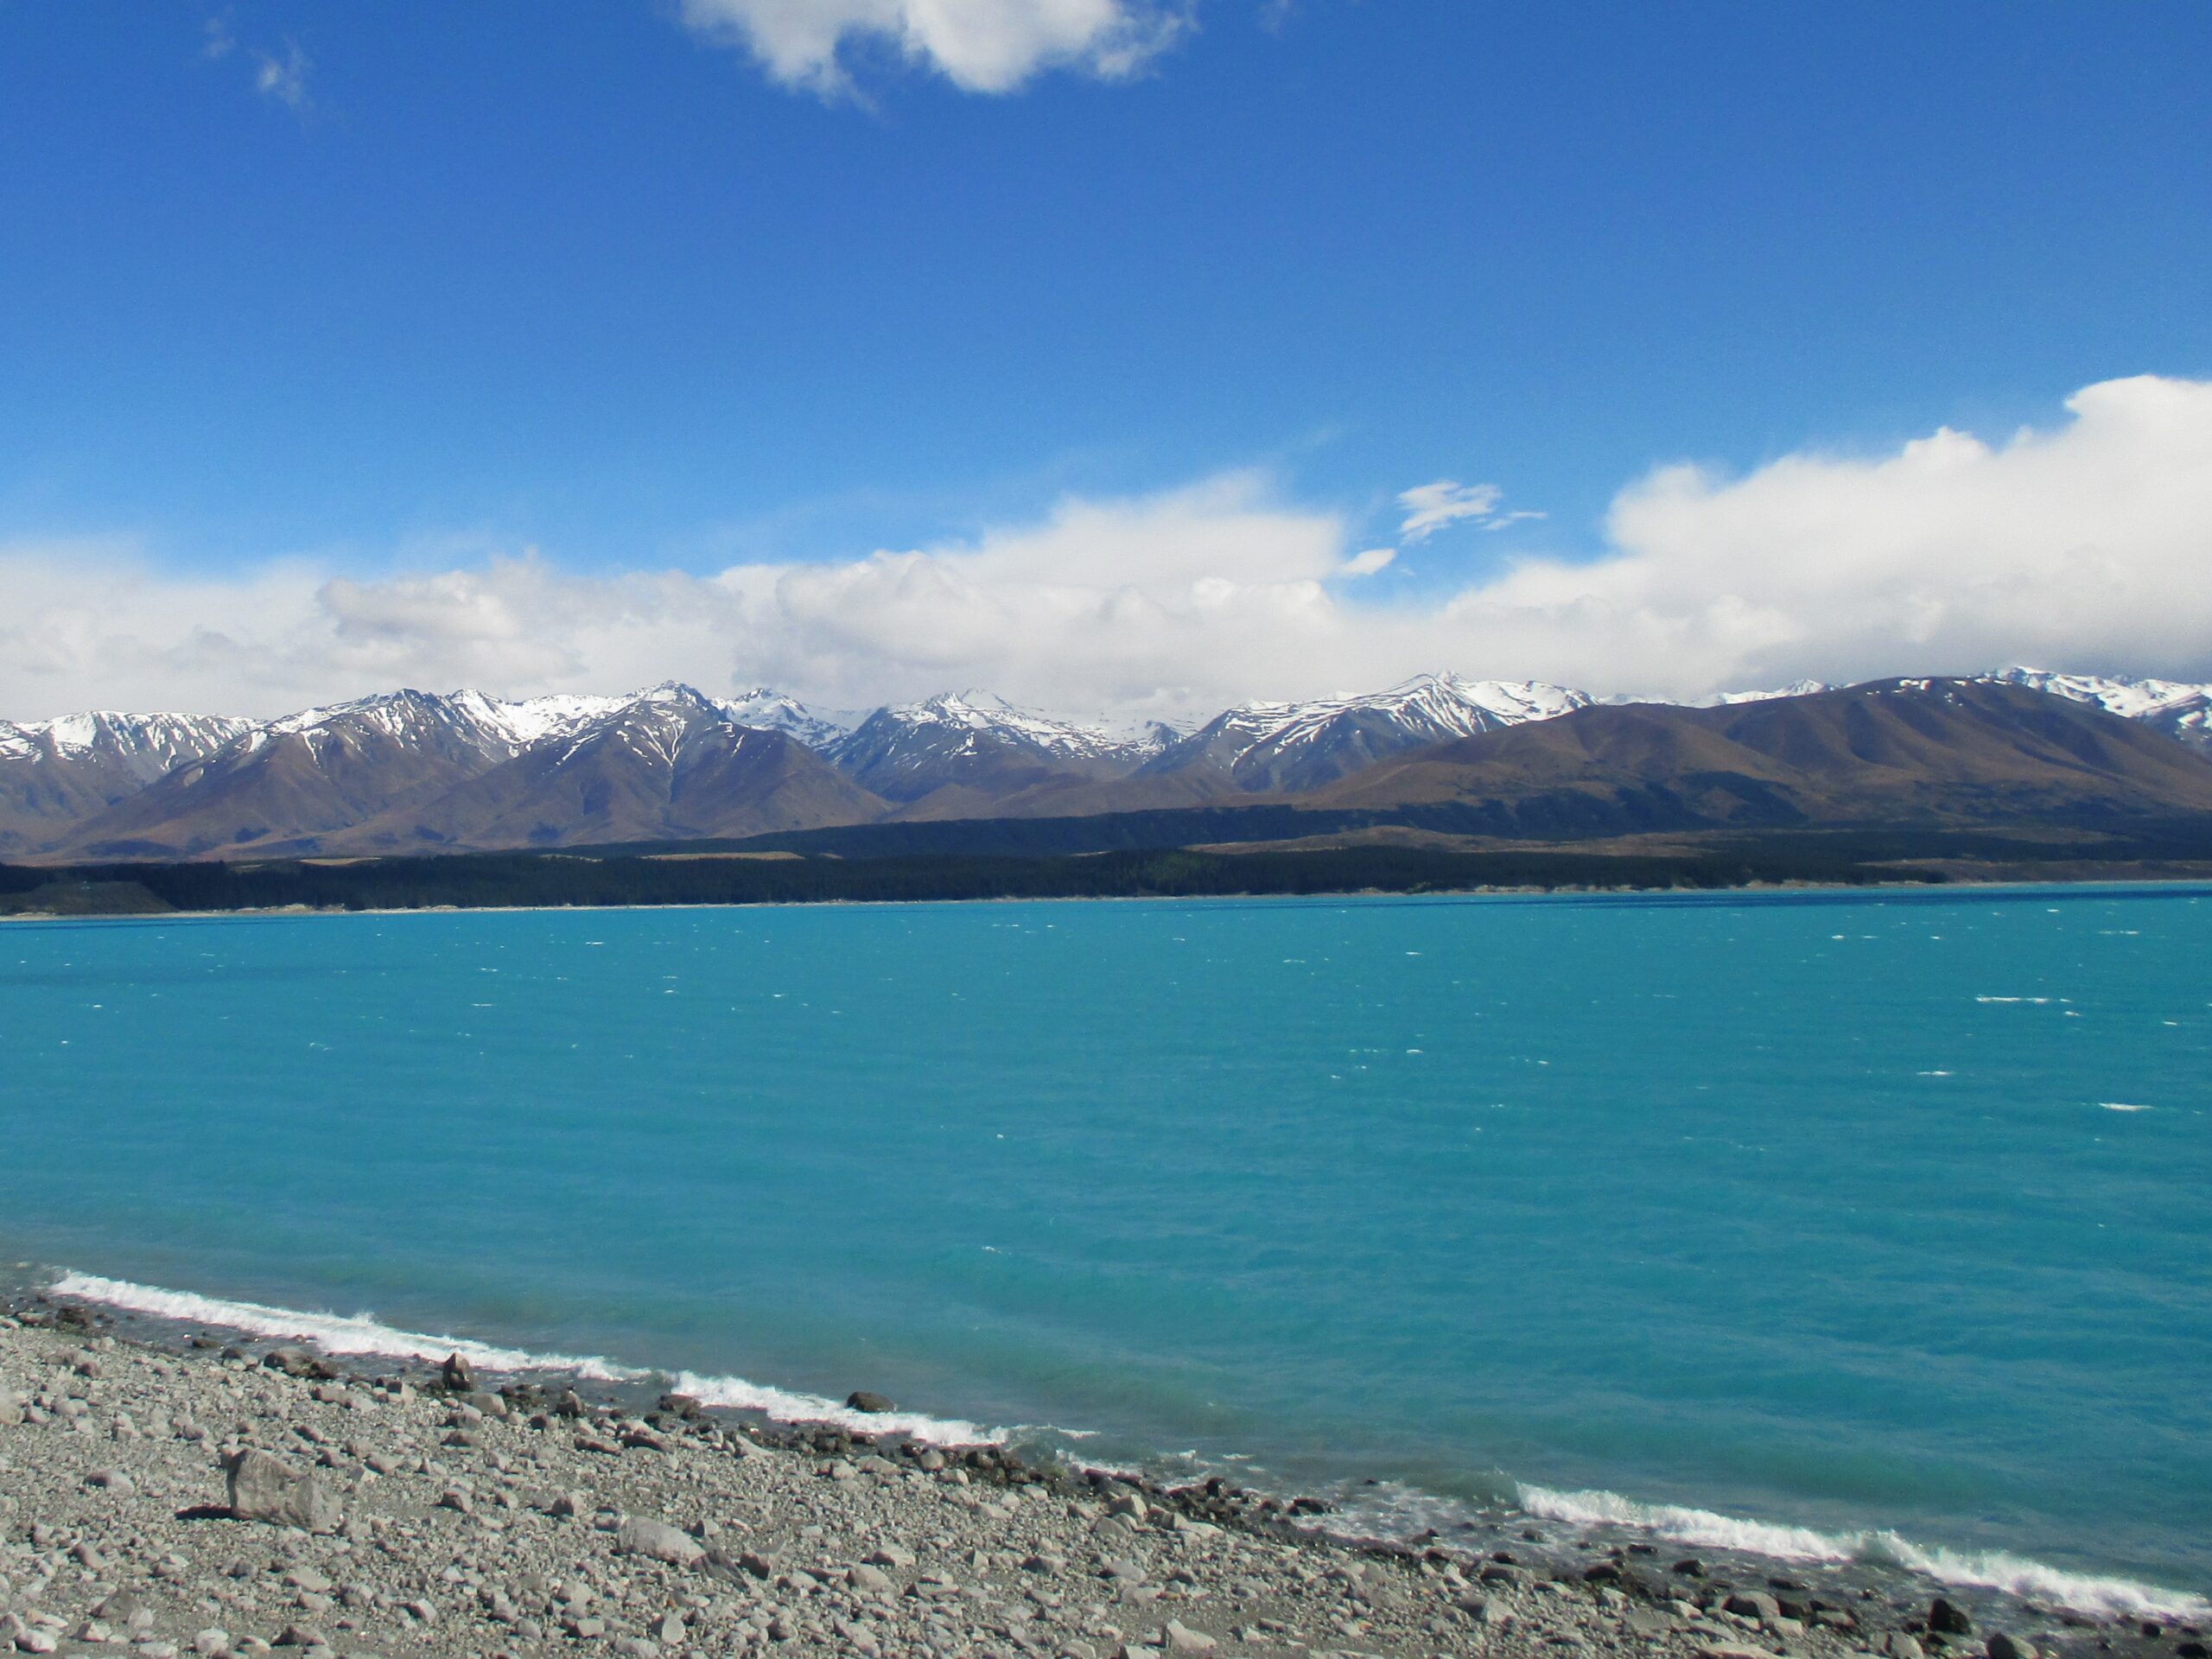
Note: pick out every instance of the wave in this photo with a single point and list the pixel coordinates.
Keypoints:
(2109, 1598)
(363, 1334)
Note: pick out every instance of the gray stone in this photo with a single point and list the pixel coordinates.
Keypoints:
(263, 1487)
(1488, 1610)
(1753, 1604)
(1179, 1637)
(658, 1540)
(861, 1400)
(2002, 1646)
(457, 1376)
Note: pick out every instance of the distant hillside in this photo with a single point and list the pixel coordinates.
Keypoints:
(1896, 752)
(411, 771)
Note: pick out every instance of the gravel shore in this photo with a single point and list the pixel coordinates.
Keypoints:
(235, 1501)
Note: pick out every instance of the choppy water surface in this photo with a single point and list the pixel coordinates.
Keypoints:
(1811, 1216)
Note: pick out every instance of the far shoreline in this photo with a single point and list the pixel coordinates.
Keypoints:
(2145, 885)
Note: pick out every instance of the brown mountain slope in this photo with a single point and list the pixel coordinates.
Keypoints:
(1071, 797)
(280, 788)
(664, 772)
(1892, 751)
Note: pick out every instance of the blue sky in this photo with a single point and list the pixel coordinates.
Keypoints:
(396, 290)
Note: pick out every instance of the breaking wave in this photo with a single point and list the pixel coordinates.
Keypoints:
(363, 1334)
(2014, 1575)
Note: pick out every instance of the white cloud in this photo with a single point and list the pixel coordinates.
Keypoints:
(981, 46)
(2089, 545)
(284, 79)
(1367, 563)
(2086, 546)
(1431, 507)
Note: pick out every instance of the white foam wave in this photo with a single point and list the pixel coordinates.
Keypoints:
(2121, 1106)
(2110, 1598)
(785, 1406)
(363, 1334)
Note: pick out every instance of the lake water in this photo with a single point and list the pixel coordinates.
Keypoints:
(1817, 1223)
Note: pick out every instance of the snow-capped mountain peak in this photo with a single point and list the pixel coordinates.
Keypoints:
(1291, 746)
(994, 719)
(771, 710)
(140, 745)
(1795, 689)
(2179, 709)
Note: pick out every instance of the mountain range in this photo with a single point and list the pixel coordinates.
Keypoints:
(410, 772)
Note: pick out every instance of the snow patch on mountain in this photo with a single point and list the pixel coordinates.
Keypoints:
(1795, 689)
(1437, 707)
(2176, 707)
(142, 745)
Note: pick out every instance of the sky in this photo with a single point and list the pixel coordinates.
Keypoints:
(1147, 355)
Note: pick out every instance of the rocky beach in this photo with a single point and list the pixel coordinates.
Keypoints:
(175, 1492)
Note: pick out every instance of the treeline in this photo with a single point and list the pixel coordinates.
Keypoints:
(476, 880)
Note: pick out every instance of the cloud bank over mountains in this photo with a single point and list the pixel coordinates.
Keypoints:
(2087, 546)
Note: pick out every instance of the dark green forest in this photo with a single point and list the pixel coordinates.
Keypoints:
(627, 876)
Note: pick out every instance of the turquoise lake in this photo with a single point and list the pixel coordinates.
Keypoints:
(1874, 1222)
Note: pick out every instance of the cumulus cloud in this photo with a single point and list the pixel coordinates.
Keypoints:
(981, 46)
(2087, 546)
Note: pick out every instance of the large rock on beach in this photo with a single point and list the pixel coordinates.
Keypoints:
(1948, 1618)
(299, 1362)
(265, 1487)
(861, 1400)
(658, 1540)
(456, 1376)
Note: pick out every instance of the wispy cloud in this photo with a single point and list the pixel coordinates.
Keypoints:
(1430, 507)
(2082, 546)
(283, 78)
(981, 46)
(217, 39)
(1367, 563)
